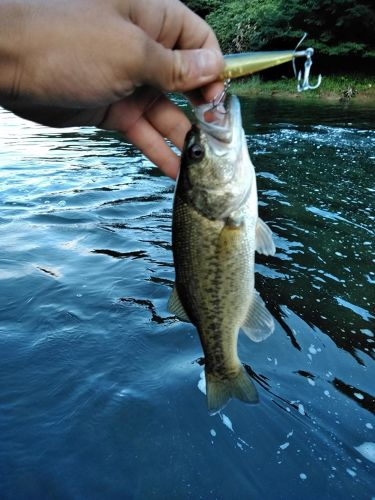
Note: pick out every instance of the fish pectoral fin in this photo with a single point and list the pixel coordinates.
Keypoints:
(259, 323)
(263, 239)
(175, 307)
(220, 391)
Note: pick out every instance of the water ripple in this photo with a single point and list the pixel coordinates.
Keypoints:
(98, 382)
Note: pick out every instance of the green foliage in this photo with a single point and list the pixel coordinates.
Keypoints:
(335, 27)
(248, 25)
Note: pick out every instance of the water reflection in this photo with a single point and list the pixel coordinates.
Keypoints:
(98, 383)
(333, 245)
(367, 401)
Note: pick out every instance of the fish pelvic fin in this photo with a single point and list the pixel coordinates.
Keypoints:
(259, 323)
(175, 306)
(220, 391)
(263, 239)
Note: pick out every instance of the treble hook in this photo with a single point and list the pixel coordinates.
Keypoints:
(308, 53)
(305, 85)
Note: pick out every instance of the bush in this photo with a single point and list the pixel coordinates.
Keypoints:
(335, 27)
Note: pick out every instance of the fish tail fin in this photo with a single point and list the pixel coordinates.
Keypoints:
(220, 391)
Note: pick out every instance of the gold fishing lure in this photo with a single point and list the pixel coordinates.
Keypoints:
(237, 65)
(247, 63)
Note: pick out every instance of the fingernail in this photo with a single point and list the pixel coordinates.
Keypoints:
(209, 62)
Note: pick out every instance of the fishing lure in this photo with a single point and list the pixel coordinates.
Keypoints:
(247, 63)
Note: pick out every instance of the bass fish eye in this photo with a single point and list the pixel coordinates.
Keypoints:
(196, 152)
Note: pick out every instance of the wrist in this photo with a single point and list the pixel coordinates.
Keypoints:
(12, 26)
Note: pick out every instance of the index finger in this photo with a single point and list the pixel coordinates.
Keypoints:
(175, 26)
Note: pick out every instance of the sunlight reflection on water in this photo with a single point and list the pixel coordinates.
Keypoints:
(98, 383)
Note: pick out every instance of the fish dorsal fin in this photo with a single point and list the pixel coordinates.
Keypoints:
(263, 239)
(259, 323)
(175, 307)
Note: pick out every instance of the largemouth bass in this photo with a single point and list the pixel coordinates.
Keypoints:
(216, 231)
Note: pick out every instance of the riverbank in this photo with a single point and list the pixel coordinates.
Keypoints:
(335, 88)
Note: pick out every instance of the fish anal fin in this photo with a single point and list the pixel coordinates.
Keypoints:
(263, 239)
(259, 323)
(175, 306)
(220, 391)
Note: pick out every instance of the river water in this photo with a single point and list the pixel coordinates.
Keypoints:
(101, 394)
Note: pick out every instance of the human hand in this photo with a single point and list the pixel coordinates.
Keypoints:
(109, 64)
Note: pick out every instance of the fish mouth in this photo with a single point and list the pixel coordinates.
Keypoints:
(223, 124)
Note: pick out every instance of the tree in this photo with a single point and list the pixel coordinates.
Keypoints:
(335, 27)
(252, 26)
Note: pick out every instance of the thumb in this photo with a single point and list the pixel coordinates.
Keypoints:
(183, 70)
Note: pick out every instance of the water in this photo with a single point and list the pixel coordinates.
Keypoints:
(100, 391)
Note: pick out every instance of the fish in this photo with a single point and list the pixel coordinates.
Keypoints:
(216, 230)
